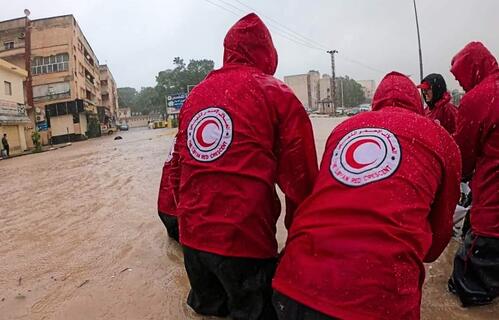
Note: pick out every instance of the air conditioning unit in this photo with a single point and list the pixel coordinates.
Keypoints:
(22, 35)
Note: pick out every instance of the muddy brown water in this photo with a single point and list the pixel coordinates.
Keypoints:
(80, 238)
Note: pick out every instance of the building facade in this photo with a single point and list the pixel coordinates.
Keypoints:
(306, 88)
(109, 92)
(65, 74)
(13, 117)
(313, 91)
(369, 87)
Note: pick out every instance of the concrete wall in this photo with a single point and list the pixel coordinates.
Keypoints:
(15, 77)
(299, 85)
(314, 78)
(109, 90)
(62, 125)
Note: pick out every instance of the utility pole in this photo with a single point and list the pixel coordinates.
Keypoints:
(27, 59)
(333, 82)
(342, 101)
(419, 43)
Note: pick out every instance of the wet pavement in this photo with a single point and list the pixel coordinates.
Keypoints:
(80, 237)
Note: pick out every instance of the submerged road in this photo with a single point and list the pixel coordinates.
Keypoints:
(80, 237)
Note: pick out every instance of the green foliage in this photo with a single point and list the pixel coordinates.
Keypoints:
(178, 79)
(170, 81)
(353, 95)
(93, 129)
(126, 96)
(36, 138)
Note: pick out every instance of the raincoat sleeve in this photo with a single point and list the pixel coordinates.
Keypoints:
(443, 206)
(468, 136)
(297, 158)
(168, 189)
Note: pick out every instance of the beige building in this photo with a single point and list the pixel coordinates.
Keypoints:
(65, 73)
(109, 91)
(313, 91)
(13, 117)
(124, 114)
(369, 87)
(306, 88)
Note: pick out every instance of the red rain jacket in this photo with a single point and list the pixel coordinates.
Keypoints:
(382, 204)
(168, 188)
(241, 132)
(478, 134)
(444, 112)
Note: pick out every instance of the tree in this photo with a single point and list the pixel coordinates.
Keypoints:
(182, 76)
(170, 81)
(126, 96)
(148, 100)
(353, 95)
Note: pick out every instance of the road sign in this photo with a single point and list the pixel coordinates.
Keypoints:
(42, 126)
(176, 100)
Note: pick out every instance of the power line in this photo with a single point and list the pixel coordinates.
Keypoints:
(222, 7)
(285, 32)
(292, 36)
(277, 32)
(361, 64)
(322, 46)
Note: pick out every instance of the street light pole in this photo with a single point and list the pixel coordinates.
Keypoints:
(333, 82)
(419, 42)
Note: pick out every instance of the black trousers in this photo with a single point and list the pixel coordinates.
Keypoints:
(171, 224)
(289, 309)
(228, 286)
(475, 278)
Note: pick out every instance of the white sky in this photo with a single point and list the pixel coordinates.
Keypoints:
(137, 39)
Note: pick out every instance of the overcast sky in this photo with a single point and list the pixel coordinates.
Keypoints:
(137, 39)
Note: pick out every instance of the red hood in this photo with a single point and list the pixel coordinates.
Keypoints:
(249, 42)
(473, 64)
(397, 90)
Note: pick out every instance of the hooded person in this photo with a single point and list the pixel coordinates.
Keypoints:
(168, 193)
(436, 96)
(241, 132)
(381, 206)
(475, 277)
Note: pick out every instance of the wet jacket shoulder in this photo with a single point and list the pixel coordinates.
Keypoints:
(382, 204)
(444, 113)
(241, 131)
(477, 133)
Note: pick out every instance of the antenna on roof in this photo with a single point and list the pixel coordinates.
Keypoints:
(27, 12)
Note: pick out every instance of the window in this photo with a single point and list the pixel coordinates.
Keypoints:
(8, 45)
(55, 63)
(8, 88)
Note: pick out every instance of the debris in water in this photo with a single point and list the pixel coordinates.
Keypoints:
(126, 269)
(118, 138)
(20, 296)
(19, 281)
(84, 283)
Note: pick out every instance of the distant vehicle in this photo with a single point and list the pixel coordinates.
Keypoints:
(352, 111)
(124, 127)
(364, 107)
(340, 111)
(107, 129)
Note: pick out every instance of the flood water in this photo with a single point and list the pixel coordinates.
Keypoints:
(80, 237)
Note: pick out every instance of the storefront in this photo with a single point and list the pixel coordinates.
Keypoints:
(13, 120)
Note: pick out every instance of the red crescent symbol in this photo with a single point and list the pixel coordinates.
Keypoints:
(199, 133)
(350, 151)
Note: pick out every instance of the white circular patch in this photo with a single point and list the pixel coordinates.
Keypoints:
(169, 157)
(365, 155)
(209, 134)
